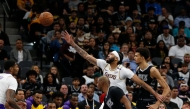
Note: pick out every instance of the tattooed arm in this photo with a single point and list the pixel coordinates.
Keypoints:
(10, 94)
(79, 50)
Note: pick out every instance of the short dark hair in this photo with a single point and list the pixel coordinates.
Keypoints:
(187, 102)
(75, 79)
(19, 90)
(56, 23)
(73, 95)
(174, 88)
(37, 91)
(19, 40)
(57, 94)
(144, 52)
(8, 64)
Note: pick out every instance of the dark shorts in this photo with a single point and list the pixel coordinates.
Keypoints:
(2, 106)
(142, 104)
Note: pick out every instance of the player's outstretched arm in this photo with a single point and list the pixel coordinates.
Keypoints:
(124, 100)
(79, 50)
(10, 94)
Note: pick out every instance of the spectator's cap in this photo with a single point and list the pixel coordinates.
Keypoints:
(183, 84)
(73, 10)
(166, 27)
(116, 30)
(163, 66)
(31, 72)
(181, 79)
(96, 75)
(152, 21)
(100, 31)
(128, 19)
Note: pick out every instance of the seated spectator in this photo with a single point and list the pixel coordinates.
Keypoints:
(50, 86)
(133, 42)
(166, 37)
(94, 49)
(86, 79)
(182, 17)
(130, 96)
(96, 76)
(180, 81)
(39, 77)
(162, 106)
(161, 50)
(28, 93)
(152, 3)
(153, 28)
(31, 83)
(90, 16)
(55, 10)
(72, 29)
(52, 105)
(73, 17)
(164, 71)
(34, 102)
(62, 24)
(169, 103)
(64, 90)
(175, 98)
(79, 38)
(113, 46)
(166, 16)
(181, 34)
(130, 62)
(81, 24)
(3, 53)
(89, 102)
(180, 49)
(101, 24)
(104, 52)
(186, 60)
(81, 10)
(124, 50)
(72, 103)
(186, 105)
(20, 54)
(57, 97)
(55, 72)
(184, 73)
(186, 31)
(100, 40)
(19, 95)
(75, 87)
(4, 36)
(183, 92)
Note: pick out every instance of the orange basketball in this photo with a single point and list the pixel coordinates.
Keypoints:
(46, 18)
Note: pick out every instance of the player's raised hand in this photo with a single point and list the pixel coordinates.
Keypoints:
(67, 37)
(160, 98)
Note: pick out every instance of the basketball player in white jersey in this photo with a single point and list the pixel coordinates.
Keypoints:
(8, 85)
(112, 68)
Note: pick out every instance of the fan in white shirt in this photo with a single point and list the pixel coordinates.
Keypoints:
(8, 85)
(175, 99)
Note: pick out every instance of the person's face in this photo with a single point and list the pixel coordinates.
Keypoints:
(135, 12)
(180, 81)
(76, 82)
(19, 44)
(111, 28)
(151, 25)
(187, 59)
(61, 21)
(56, 27)
(106, 46)
(20, 96)
(50, 78)
(72, 25)
(148, 35)
(90, 93)
(1, 44)
(163, 70)
(116, 35)
(185, 106)
(92, 87)
(101, 35)
(84, 88)
(175, 92)
(130, 96)
(28, 93)
(161, 106)
(37, 98)
(58, 101)
(32, 77)
(138, 58)
(111, 39)
(110, 58)
(181, 42)
(183, 12)
(131, 55)
(86, 42)
(125, 49)
(73, 14)
(132, 37)
(164, 11)
(185, 69)
(15, 69)
(64, 89)
(167, 60)
(92, 42)
(51, 106)
(81, 21)
(121, 9)
(183, 88)
(54, 70)
(90, 11)
(151, 12)
(58, 35)
(100, 20)
(90, 71)
(129, 30)
(159, 90)
(36, 68)
(166, 31)
(74, 101)
(81, 7)
(161, 44)
(181, 32)
(168, 97)
(110, 8)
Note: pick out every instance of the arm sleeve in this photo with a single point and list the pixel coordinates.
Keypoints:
(171, 52)
(101, 63)
(126, 73)
(12, 83)
(119, 94)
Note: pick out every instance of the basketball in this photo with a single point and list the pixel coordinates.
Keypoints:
(46, 18)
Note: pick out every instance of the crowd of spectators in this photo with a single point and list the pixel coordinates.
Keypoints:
(98, 27)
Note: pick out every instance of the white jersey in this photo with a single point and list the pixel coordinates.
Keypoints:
(7, 81)
(118, 76)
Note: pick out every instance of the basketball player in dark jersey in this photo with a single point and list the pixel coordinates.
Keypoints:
(151, 76)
